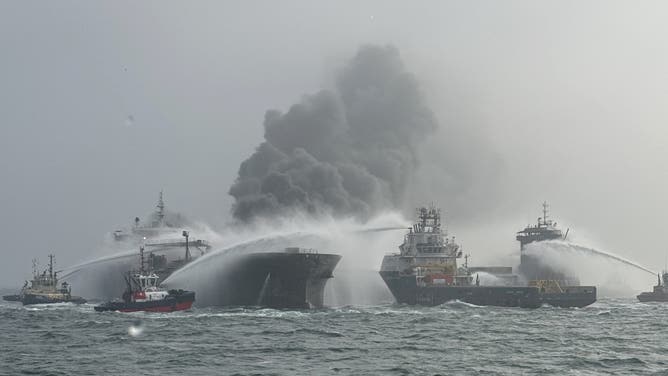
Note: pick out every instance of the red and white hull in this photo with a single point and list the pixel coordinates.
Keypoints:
(174, 301)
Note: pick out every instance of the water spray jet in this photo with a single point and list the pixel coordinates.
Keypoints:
(570, 247)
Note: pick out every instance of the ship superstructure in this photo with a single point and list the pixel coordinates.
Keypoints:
(168, 246)
(425, 271)
(558, 287)
(162, 228)
(532, 267)
(429, 250)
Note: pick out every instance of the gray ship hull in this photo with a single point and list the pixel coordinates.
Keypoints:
(653, 297)
(406, 291)
(276, 280)
(572, 296)
(29, 299)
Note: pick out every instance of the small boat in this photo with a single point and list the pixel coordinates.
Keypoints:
(12, 298)
(659, 293)
(143, 293)
(44, 289)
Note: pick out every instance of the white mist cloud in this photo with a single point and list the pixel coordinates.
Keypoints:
(613, 275)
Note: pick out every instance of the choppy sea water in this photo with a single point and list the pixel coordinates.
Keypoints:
(613, 336)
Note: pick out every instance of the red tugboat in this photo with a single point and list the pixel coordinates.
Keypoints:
(144, 294)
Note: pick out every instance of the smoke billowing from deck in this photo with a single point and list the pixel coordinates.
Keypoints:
(351, 150)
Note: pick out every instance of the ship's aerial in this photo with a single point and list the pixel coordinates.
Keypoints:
(425, 271)
(44, 289)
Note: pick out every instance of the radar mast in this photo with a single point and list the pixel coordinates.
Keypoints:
(161, 209)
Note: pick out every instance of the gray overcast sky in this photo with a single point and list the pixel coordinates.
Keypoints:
(570, 97)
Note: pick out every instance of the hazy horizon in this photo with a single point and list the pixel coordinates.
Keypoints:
(103, 105)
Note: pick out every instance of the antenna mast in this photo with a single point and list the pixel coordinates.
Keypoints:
(141, 259)
(51, 266)
(161, 208)
(185, 235)
(34, 267)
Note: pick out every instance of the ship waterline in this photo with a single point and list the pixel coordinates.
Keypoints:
(405, 291)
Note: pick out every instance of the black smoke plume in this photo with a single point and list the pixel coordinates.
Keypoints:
(347, 151)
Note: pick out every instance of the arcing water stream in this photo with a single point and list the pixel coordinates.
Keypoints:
(564, 246)
(72, 270)
(614, 275)
(613, 257)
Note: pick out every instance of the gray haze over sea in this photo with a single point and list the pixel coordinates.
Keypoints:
(612, 336)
